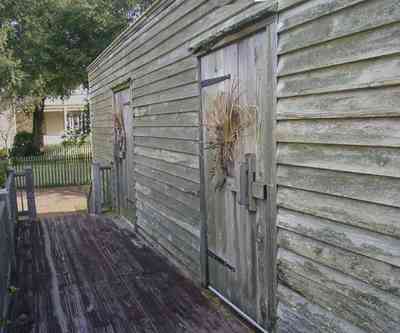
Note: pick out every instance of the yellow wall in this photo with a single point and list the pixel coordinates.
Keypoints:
(53, 123)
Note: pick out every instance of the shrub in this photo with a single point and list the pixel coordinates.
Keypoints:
(3, 172)
(23, 145)
(3, 154)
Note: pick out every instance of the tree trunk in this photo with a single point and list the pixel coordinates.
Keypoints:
(38, 119)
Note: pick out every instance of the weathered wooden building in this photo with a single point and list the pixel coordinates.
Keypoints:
(305, 224)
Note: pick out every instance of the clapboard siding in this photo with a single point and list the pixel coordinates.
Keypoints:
(373, 217)
(338, 149)
(366, 15)
(338, 166)
(165, 106)
(363, 103)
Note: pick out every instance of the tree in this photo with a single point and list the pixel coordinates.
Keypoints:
(51, 42)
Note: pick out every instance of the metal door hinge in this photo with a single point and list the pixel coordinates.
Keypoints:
(220, 260)
(215, 80)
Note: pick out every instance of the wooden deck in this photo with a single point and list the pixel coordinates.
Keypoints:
(78, 273)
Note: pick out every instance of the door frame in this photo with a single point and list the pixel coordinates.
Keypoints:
(267, 274)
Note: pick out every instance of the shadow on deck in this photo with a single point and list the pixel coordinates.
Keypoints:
(78, 273)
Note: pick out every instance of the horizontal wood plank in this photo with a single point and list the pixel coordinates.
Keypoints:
(184, 133)
(349, 298)
(169, 156)
(310, 10)
(181, 119)
(364, 16)
(180, 171)
(364, 103)
(373, 217)
(181, 146)
(365, 160)
(376, 273)
(296, 314)
(177, 106)
(379, 72)
(371, 245)
(361, 46)
(378, 132)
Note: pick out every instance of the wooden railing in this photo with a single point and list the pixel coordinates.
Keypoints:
(100, 197)
(14, 204)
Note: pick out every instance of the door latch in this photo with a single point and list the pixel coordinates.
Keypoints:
(249, 188)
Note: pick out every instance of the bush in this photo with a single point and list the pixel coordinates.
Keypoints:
(23, 145)
(3, 172)
(3, 154)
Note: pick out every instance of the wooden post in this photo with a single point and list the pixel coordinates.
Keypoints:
(113, 176)
(13, 195)
(203, 201)
(30, 193)
(96, 181)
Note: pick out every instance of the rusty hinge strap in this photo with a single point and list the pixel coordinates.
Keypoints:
(220, 260)
(215, 80)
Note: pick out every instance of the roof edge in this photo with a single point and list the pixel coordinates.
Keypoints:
(257, 12)
(124, 32)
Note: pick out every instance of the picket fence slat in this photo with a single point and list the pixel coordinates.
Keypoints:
(58, 166)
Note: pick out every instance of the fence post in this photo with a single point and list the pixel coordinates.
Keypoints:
(13, 195)
(30, 193)
(96, 181)
(114, 187)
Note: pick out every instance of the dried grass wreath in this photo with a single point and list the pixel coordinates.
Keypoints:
(225, 121)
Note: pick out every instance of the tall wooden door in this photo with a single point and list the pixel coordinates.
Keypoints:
(234, 81)
(123, 161)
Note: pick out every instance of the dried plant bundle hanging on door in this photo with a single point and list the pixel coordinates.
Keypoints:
(119, 135)
(225, 121)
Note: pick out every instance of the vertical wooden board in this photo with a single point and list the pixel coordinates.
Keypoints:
(210, 68)
(214, 65)
(247, 145)
(270, 169)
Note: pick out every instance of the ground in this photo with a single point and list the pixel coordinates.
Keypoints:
(80, 273)
(60, 200)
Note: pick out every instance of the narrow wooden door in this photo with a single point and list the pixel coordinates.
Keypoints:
(234, 140)
(125, 185)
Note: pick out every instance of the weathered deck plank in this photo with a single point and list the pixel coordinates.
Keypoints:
(79, 273)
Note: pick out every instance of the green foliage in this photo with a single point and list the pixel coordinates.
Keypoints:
(53, 41)
(3, 172)
(12, 290)
(74, 137)
(46, 45)
(23, 145)
(9, 72)
(3, 153)
(4, 322)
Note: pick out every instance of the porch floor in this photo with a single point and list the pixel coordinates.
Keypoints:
(79, 273)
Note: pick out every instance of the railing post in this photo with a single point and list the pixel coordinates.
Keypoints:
(13, 195)
(30, 193)
(114, 190)
(96, 181)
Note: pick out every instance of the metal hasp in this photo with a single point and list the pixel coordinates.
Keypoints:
(249, 188)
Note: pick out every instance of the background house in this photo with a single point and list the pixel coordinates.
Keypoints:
(61, 115)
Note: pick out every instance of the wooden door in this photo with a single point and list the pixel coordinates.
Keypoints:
(235, 176)
(125, 184)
